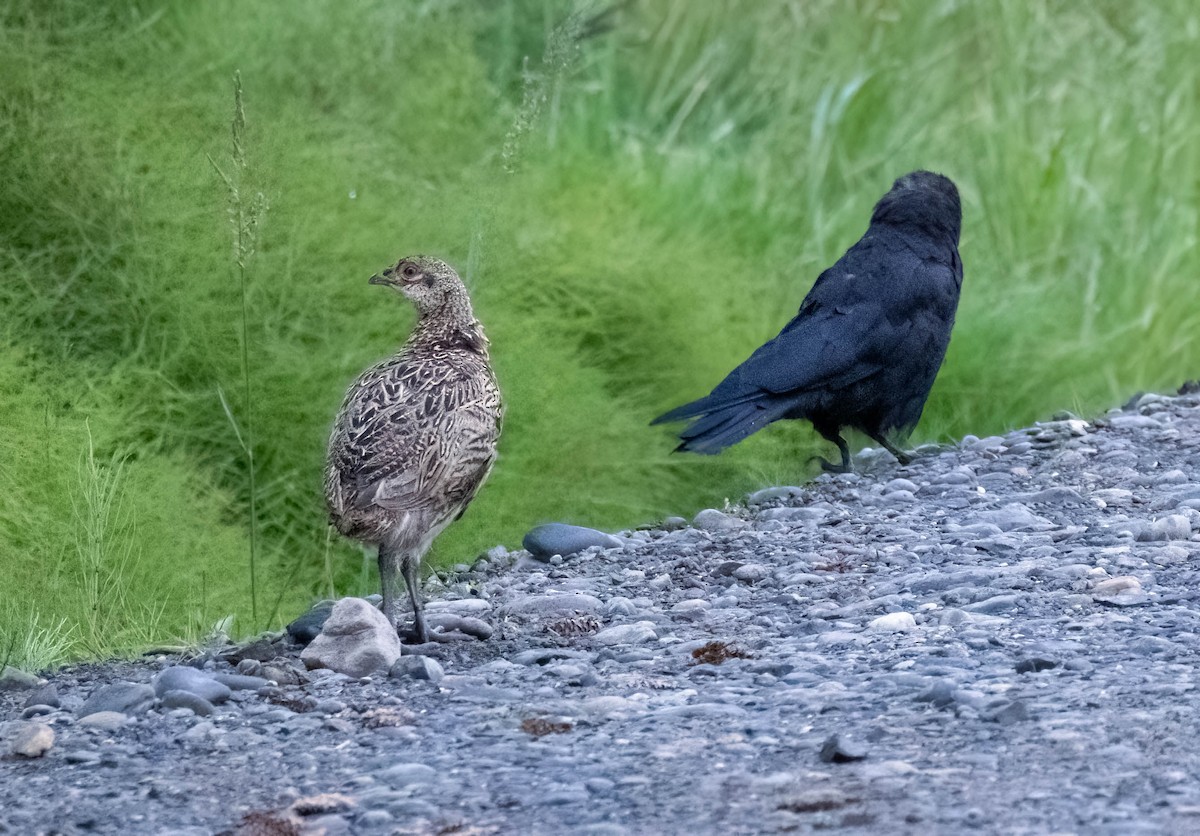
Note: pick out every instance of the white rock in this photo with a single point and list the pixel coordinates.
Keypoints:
(32, 740)
(893, 622)
(751, 572)
(710, 519)
(1114, 585)
(1170, 527)
(106, 720)
(356, 640)
(642, 631)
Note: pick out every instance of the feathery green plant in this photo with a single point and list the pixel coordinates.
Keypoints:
(245, 215)
(29, 643)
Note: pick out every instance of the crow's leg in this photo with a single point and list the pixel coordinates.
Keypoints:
(832, 435)
(390, 562)
(901, 456)
(411, 566)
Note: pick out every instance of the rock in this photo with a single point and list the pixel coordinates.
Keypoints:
(837, 749)
(105, 720)
(994, 604)
(258, 650)
(893, 622)
(794, 515)
(710, 519)
(544, 541)
(545, 655)
(193, 681)
(1122, 591)
(279, 674)
(417, 667)
(691, 609)
(1014, 517)
(940, 693)
(637, 633)
(769, 494)
(32, 740)
(44, 695)
(1035, 664)
(554, 604)
(356, 640)
(408, 774)
(1170, 527)
(901, 485)
(36, 711)
(1134, 422)
(1006, 712)
(465, 606)
(448, 622)
(122, 697)
(241, 682)
(188, 699)
(308, 626)
(13, 679)
(751, 572)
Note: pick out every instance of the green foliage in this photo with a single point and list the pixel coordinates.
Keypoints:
(639, 199)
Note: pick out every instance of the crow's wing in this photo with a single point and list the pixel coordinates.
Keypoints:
(858, 313)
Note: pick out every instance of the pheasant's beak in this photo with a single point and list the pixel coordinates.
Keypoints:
(383, 279)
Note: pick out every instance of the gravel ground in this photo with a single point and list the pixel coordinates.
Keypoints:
(1001, 637)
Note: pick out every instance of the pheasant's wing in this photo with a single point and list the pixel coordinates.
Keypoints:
(417, 436)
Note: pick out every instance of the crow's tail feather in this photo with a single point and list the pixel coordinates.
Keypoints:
(705, 406)
(727, 425)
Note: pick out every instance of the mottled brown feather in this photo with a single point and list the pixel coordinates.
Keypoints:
(416, 435)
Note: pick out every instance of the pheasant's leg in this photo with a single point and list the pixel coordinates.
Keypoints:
(412, 576)
(389, 577)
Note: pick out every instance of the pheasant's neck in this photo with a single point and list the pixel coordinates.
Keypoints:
(452, 326)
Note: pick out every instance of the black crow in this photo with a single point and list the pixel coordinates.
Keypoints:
(867, 342)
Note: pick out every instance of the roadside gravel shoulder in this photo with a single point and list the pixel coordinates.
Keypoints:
(1000, 637)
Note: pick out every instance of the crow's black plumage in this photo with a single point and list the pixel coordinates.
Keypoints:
(867, 342)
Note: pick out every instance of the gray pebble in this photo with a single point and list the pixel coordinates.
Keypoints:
(994, 604)
(940, 693)
(82, 757)
(839, 749)
(123, 697)
(710, 519)
(308, 626)
(37, 711)
(44, 695)
(566, 540)
(407, 774)
(1006, 712)
(417, 667)
(189, 700)
(242, 682)
(751, 572)
(12, 679)
(1170, 527)
(104, 720)
(185, 678)
(626, 634)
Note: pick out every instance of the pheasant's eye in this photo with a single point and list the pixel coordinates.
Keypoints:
(409, 271)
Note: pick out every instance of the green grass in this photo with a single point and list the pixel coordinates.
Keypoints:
(635, 214)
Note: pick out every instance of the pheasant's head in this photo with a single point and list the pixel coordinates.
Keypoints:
(429, 282)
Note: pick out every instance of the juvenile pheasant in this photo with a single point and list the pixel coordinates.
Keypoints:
(416, 436)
